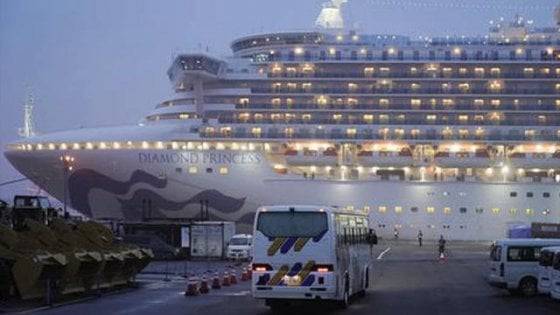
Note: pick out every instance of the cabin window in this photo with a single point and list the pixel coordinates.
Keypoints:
(546, 195)
(529, 195)
(513, 194)
(462, 210)
(193, 170)
(224, 170)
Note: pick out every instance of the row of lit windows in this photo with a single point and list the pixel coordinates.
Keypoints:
(494, 85)
(431, 70)
(492, 116)
(351, 101)
(462, 210)
(395, 53)
(159, 145)
(222, 170)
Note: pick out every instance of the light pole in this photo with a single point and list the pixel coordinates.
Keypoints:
(67, 166)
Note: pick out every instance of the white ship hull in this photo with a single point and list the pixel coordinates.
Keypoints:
(141, 184)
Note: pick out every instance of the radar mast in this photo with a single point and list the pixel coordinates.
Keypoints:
(28, 129)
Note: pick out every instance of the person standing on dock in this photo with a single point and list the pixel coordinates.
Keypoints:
(420, 236)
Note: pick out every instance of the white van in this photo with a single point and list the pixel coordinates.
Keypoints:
(545, 268)
(514, 264)
(555, 278)
(240, 246)
(310, 253)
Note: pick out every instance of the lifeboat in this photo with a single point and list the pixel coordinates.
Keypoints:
(478, 159)
(386, 158)
(535, 160)
(308, 157)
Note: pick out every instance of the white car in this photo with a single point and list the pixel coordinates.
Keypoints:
(555, 277)
(240, 247)
(546, 269)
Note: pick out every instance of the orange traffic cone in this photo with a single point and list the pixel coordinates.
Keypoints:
(204, 285)
(192, 287)
(226, 280)
(244, 275)
(233, 277)
(216, 281)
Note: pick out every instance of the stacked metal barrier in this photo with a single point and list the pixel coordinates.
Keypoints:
(41, 261)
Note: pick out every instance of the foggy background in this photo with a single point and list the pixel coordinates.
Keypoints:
(103, 62)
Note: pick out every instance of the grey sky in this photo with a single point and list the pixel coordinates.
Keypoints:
(103, 62)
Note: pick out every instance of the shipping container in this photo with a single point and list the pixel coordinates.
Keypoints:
(209, 239)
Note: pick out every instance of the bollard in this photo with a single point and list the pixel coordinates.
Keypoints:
(204, 289)
(192, 287)
(216, 281)
(233, 277)
(226, 280)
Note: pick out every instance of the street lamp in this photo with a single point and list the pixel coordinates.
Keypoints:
(67, 166)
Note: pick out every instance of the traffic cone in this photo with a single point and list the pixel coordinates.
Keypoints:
(216, 281)
(245, 275)
(226, 280)
(233, 277)
(192, 287)
(442, 258)
(204, 285)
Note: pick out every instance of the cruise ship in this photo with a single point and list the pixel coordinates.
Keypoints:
(455, 136)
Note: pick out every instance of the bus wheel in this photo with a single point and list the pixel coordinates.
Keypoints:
(528, 286)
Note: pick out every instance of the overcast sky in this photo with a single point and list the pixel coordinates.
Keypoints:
(103, 62)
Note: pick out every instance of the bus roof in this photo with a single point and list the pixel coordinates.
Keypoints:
(328, 209)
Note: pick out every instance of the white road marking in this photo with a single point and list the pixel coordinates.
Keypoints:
(383, 253)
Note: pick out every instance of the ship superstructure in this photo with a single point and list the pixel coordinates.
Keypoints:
(457, 136)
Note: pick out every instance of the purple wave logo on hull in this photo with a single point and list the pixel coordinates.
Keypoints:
(82, 181)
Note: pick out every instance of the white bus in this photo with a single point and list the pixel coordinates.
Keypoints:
(310, 253)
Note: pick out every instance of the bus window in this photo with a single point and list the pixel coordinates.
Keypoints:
(292, 224)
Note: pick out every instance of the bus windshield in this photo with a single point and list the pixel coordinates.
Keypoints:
(292, 224)
(239, 241)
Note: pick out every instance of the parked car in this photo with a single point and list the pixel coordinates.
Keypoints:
(240, 246)
(545, 269)
(514, 264)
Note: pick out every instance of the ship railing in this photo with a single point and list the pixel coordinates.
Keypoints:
(377, 91)
(546, 106)
(420, 75)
